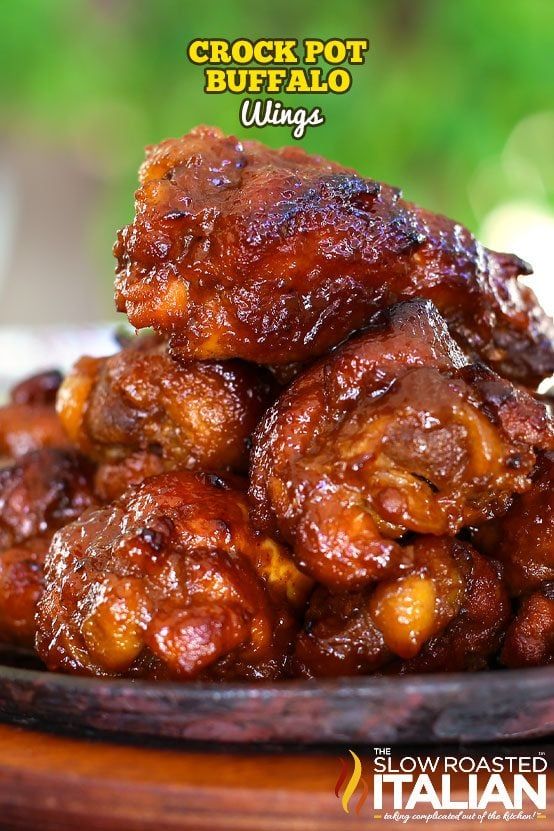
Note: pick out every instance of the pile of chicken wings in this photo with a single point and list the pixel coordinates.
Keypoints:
(327, 456)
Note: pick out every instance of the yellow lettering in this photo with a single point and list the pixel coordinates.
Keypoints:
(312, 49)
(297, 81)
(357, 49)
(339, 80)
(197, 51)
(215, 80)
(334, 51)
(275, 79)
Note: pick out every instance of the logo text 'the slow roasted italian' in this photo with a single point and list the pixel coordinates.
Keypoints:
(443, 788)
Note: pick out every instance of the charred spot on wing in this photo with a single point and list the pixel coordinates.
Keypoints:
(405, 235)
(215, 480)
(172, 215)
(348, 187)
(512, 264)
(335, 191)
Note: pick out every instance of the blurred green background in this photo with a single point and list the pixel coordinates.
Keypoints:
(455, 103)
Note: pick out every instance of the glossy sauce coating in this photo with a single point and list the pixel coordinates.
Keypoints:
(446, 613)
(473, 637)
(391, 433)
(169, 581)
(523, 539)
(41, 388)
(238, 250)
(196, 414)
(112, 478)
(39, 494)
(21, 585)
(530, 638)
(29, 421)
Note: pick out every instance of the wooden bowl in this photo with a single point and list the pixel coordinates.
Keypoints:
(487, 706)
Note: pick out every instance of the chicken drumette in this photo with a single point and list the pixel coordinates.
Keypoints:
(530, 638)
(446, 613)
(523, 539)
(139, 412)
(238, 250)
(393, 433)
(29, 421)
(170, 581)
(43, 491)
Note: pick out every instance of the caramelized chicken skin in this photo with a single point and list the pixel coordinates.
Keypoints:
(169, 581)
(239, 250)
(29, 421)
(21, 585)
(530, 638)
(39, 494)
(398, 435)
(474, 635)
(446, 613)
(41, 388)
(112, 478)
(523, 539)
(392, 433)
(141, 401)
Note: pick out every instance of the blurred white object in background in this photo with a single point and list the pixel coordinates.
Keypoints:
(25, 350)
(522, 223)
(526, 229)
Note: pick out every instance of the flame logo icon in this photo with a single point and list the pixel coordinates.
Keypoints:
(353, 782)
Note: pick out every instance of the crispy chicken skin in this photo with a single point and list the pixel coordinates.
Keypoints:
(41, 388)
(530, 638)
(446, 613)
(112, 478)
(392, 433)
(472, 638)
(29, 421)
(21, 584)
(39, 494)
(170, 581)
(239, 250)
(195, 414)
(523, 539)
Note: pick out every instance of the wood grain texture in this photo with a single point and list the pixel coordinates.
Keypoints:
(57, 783)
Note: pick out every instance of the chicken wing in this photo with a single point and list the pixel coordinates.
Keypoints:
(530, 638)
(141, 401)
(393, 433)
(39, 494)
(238, 250)
(169, 581)
(29, 421)
(523, 539)
(446, 613)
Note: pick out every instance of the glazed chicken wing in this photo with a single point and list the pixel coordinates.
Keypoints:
(21, 584)
(112, 478)
(393, 433)
(140, 402)
(523, 539)
(29, 421)
(530, 638)
(169, 581)
(39, 494)
(238, 250)
(446, 613)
